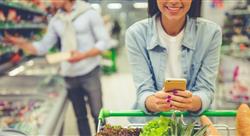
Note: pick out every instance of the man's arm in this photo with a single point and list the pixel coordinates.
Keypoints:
(35, 48)
(77, 55)
(101, 36)
(22, 43)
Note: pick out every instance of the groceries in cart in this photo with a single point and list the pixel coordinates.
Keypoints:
(243, 120)
(174, 126)
(161, 126)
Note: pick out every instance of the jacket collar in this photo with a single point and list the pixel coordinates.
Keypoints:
(188, 39)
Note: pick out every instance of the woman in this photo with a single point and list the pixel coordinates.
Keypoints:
(173, 43)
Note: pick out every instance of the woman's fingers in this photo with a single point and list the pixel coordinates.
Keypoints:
(162, 101)
(161, 95)
(182, 106)
(176, 100)
(185, 94)
(181, 99)
(179, 109)
(164, 107)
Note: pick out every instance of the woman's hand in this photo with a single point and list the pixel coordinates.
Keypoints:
(175, 100)
(158, 102)
(181, 100)
(185, 101)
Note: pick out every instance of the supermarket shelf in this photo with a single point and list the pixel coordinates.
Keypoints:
(52, 95)
(238, 12)
(22, 26)
(22, 7)
(236, 52)
(9, 65)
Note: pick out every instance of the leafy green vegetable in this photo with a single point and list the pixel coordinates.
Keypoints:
(171, 127)
(156, 127)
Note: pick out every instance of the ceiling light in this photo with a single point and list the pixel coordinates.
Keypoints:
(140, 5)
(114, 5)
(96, 6)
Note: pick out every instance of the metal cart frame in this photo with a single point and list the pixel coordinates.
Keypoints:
(138, 113)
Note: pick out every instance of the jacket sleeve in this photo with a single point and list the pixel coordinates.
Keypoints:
(206, 79)
(142, 75)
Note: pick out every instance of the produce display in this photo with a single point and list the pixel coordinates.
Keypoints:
(32, 4)
(161, 126)
(24, 115)
(20, 18)
(40, 71)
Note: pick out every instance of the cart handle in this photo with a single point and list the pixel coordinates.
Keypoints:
(138, 113)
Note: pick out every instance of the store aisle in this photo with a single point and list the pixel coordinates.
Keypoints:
(118, 94)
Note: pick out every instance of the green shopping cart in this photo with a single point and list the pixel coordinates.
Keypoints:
(104, 114)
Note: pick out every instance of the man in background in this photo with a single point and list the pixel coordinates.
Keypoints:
(81, 31)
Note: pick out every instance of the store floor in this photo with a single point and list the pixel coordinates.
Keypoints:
(119, 94)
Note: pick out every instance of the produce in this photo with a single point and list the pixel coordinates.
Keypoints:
(2, 16)
(243, 120)
(161, 126)
(26, 116)
(109, 130)
(157, 127)
(171, 127)
(211, 130)
(12, 15)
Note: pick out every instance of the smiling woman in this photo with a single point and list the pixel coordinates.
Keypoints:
(174, 43)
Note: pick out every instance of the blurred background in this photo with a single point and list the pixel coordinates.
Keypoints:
(32, 94)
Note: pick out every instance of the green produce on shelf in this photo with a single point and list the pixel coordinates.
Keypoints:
(10, 25)
(22, 26)
(21, 6)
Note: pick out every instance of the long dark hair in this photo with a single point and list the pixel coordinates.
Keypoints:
(194, 10)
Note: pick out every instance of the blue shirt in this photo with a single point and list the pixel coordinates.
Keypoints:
(200, 53)
(90, 33)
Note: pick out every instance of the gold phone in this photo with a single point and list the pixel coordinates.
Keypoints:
(175, 84)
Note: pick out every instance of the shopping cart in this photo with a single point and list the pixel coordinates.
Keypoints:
(104, 114)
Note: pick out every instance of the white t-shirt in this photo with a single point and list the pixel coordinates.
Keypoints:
(173, 46)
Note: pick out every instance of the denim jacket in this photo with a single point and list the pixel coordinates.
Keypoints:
(200, 54)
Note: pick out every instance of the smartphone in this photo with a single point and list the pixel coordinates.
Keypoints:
(175, 84)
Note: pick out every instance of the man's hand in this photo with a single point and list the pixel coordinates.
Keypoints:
(17, 41)
(76, 56)
(21, 43)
